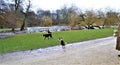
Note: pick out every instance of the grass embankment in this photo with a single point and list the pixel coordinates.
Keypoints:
(35, 40)
(4, 29)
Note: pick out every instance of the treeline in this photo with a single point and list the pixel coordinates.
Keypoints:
(17, 14)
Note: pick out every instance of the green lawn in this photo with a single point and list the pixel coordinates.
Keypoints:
(35, 40)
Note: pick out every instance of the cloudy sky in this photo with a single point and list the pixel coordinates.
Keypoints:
(83, 4)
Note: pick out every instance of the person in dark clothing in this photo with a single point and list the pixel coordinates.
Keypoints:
(118, 39)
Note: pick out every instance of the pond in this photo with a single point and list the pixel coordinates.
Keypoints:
(52, 28)
(6, 35)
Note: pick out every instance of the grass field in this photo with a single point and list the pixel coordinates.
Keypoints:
(21, 42)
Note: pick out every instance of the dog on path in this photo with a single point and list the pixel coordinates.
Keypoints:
(62, 43)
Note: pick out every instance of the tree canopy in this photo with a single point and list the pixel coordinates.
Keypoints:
(20, 15)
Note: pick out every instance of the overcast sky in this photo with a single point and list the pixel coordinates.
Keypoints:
(83, 4)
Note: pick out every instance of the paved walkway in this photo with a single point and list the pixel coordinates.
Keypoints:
(93, 52)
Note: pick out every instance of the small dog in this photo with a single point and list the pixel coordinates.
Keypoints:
(49, 35)
(62, 42)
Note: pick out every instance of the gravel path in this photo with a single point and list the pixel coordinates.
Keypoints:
(94, 52)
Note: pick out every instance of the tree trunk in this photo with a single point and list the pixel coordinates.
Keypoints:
(13, 29)
(23, 25)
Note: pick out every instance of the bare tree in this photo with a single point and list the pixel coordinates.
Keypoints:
(8, 14)
(66, 13)
(32, 19)
(90, 18)
(100, 18)
(16, 5)
(73, 20)
(46, 21)
(2, 5)
(81, 15)
(26, 15)
(110, 18)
